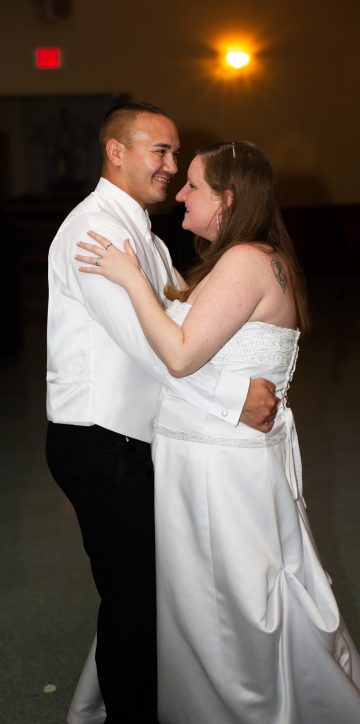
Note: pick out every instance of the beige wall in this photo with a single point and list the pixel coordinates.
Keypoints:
(301, 102)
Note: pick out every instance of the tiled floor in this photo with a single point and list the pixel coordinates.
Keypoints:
(48, 603)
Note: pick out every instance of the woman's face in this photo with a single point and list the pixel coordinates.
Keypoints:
(202, 204)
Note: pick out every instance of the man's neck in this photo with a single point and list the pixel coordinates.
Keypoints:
(117, 182)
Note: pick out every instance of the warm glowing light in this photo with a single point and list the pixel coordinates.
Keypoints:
(237, 59)
(234, 58)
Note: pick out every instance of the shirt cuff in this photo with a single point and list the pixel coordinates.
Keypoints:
(230, 395)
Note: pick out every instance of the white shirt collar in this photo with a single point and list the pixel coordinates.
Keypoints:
(140, 216)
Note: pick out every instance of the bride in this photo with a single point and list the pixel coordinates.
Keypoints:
(248, 628)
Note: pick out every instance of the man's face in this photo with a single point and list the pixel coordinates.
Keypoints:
(150, 159)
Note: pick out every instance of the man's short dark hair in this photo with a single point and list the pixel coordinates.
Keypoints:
(136, 106)
(121, 116)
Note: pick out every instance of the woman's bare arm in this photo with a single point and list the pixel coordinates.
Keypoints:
(234, 289)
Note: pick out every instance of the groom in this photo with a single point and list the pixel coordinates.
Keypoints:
(103, 384)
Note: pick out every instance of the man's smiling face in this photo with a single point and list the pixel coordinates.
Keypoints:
(149, 159)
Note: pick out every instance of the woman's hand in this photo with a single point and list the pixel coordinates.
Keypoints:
(108, 261)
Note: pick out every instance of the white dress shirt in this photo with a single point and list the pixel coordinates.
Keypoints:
(100, 369)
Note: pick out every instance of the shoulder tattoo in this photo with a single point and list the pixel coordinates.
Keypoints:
(279, 273)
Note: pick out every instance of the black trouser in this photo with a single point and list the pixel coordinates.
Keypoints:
(109, 480)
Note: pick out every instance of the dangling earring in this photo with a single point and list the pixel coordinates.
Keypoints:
(217, 221)
(233, 148)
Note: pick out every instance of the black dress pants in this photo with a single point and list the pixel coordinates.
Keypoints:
(109, 480)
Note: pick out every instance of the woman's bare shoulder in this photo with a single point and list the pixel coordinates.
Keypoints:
(245, 255)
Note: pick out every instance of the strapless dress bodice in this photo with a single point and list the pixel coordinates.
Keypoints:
(257, 349)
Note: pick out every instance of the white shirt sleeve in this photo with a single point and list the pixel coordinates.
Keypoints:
(220, 392)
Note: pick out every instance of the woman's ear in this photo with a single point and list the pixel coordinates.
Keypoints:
(228, 198)
(114, 151)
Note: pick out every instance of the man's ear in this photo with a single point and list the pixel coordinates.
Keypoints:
(114, 151)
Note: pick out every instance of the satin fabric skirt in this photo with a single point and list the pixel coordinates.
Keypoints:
(249, 631)
(87, 706)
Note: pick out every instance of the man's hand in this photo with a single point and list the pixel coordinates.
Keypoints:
(260, 405)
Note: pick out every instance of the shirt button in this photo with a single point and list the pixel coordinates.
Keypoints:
(224, 413)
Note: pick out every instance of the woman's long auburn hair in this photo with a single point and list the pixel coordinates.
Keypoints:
(253, 216)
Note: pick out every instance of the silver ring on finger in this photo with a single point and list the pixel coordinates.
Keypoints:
(97, 261)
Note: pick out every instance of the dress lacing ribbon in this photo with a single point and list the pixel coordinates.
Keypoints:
(293, 467)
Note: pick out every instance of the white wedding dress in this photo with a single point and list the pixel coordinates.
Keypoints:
(248, 628)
